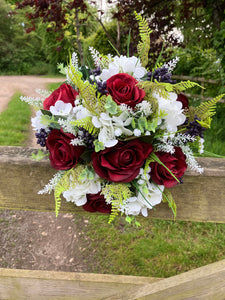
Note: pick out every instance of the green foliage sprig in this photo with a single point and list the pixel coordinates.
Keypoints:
(168, 198)
(87, 124)
(87, 91)
(143, 46)
(115, 194)
(204, 111)
(68, 180)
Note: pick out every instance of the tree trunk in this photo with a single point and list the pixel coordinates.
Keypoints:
(118, 35)
(107, 33)
(79, 45)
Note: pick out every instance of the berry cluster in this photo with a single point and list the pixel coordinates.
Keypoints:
(161, 75)
(194, 128)
(41, 137)
(96, 71)
(102, 87)
(87, 138)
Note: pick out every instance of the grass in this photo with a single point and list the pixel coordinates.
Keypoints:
(158, 248)
(14, 123)
(215, 136)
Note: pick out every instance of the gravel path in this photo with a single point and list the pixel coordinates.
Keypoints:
(27, 85)
(37, 240)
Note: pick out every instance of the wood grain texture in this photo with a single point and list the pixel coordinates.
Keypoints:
(200, 198)
(46, 285)
(205, 283)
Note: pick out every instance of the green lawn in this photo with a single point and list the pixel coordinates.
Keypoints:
(158, 248)
(14, 123)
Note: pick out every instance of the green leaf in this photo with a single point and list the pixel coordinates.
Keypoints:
(128, 219)
(111, 105)
(152, 125)
(142, 122)
(46, 112)
(47, 120)
(39, 156)
(133, 123)
(98, 146)
(167, 197)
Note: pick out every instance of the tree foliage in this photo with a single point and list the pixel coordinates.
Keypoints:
(18, 52)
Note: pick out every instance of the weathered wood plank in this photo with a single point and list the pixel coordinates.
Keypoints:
(46, 285)
(205, 283)
(200, 198)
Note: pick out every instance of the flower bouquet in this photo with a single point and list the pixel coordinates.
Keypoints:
(120, 135)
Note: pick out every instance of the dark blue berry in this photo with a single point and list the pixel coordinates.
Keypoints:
(161, 75)
(41, 137)
(87, 138)
(194, 128)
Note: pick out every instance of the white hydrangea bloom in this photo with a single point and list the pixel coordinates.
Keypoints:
(77, 194)
(171, 111)
(36, 122)
(61, 109)
(111, 127)
(123, 64)
(81, 112)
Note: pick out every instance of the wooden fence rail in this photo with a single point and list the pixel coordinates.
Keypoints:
(200, 198)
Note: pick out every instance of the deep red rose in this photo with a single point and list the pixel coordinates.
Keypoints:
(183, 99)
(123, 89)
(122, 162)
(63, 155)
(96, 202)
(174, 162)
(64, 93)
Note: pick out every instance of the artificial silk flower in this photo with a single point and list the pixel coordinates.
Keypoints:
(123, 64)
(60, 108)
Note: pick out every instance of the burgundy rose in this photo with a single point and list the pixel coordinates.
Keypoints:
(64, 93)
(96, 202)
(183, 99)
(123, 89)
(122, 162)
(63, 155)
(174, 162)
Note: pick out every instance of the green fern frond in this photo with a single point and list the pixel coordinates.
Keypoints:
(181, 86)
(87, 91)
(69, 179)
(101, 103)
(154, 87)
(116, 193)
(208, 109)
(87, 124)
(144, 45)
(167, 197)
